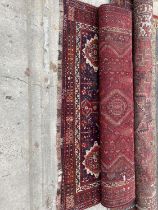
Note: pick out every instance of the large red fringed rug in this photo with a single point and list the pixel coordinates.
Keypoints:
(80, 107)
(98, 116)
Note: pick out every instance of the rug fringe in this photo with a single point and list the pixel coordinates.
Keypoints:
(59, 99)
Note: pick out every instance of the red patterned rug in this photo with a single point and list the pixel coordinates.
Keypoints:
(145, 144)
(80, 122)
(116, 107)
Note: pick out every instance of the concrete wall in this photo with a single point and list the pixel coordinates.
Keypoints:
(28, 172)
(155, 7)
(14, 109)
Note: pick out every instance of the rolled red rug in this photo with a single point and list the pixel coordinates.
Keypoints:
(116, 107)
(145, 143)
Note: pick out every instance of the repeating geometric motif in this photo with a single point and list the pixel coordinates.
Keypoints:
(116, 107)
(145, 145)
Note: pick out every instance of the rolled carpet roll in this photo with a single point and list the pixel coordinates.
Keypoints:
(145, 142)
(116, 107)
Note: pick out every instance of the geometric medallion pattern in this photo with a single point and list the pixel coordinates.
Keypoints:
(116, 107)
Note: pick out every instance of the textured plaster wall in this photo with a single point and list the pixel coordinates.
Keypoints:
(155, 7)
(28, 42)
(14, 109)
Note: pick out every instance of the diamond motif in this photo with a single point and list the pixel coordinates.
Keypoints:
(92, 160)
(119, 165)
(86, 107)
(115, 107)
(91, 52)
